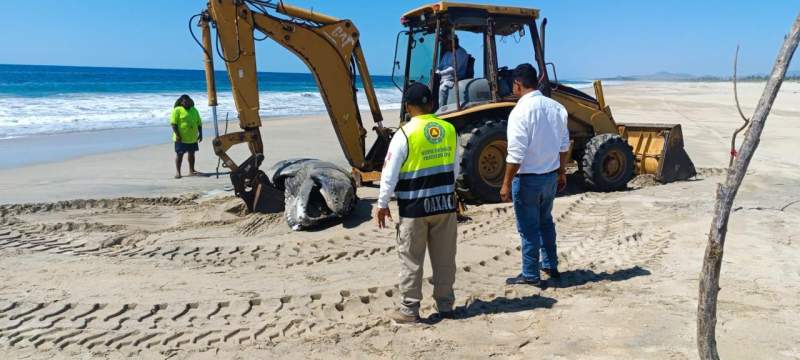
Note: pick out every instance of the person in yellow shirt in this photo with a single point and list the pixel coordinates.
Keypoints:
(187, 132)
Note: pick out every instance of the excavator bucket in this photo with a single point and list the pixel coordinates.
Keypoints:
(255, 188)
(658, 150)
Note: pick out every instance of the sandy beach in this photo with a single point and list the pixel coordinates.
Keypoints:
(105, 255)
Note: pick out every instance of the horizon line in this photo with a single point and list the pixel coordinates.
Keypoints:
(631, 77)
(155, 68)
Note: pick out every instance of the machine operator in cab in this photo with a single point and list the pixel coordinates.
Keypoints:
(454, 63)
(420, 169)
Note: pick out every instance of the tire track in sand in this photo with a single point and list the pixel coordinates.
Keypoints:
(34, 238)
(592, 233)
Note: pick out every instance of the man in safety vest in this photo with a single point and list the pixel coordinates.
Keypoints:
(421, 169)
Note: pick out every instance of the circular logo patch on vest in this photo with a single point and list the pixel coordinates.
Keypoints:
(434, 133)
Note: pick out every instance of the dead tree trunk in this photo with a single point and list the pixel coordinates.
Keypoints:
(709, 277)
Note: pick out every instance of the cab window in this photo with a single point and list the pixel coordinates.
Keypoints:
(421, 59)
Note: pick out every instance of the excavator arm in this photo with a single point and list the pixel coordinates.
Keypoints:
(331, 50)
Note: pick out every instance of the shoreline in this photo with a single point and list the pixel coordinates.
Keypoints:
(147, 170)
(41, 149)
(36, 149)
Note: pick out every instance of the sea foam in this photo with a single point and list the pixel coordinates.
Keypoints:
(24, 116)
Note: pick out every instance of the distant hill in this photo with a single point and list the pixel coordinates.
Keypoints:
(659, 76)
(668, 76)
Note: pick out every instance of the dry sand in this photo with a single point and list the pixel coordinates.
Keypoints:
(170, 272)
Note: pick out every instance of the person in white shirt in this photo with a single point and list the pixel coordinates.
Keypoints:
(538, 143)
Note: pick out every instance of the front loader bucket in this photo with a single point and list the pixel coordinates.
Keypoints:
(658, 150)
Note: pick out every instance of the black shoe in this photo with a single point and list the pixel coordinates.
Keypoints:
(523, 280)
(552, 273)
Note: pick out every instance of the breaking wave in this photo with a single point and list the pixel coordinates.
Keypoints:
(58, 113)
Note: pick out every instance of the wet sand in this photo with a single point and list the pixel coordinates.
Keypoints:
(148, 170)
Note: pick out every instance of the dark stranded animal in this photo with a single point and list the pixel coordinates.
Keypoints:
(316, 192)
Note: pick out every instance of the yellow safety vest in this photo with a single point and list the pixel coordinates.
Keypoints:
(426, 185)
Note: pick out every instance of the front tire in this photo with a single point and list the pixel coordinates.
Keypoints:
(607, 164)
(483, 161)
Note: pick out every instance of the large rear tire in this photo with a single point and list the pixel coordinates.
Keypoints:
(607, 163)
(483, 161)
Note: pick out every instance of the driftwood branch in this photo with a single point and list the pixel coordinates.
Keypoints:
(712, 262)
(738, 107)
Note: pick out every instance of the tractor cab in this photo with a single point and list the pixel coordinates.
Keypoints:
(467, 36)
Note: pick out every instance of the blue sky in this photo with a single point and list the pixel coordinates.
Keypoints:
(585, 38)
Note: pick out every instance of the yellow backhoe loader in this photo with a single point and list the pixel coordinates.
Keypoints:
(608, 154)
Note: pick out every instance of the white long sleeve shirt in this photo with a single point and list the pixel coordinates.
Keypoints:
(537, 133)
(395, 157)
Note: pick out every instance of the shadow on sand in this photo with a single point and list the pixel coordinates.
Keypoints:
(573, 278)
(503, 305)
(208, 174)
(361, 213)
(512, 305)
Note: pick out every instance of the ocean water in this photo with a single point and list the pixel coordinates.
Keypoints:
(57, 99)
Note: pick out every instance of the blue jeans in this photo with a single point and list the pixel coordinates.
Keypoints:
(533, 205)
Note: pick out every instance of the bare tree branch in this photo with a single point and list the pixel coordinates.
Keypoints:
(712, 262)
(738, 107)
